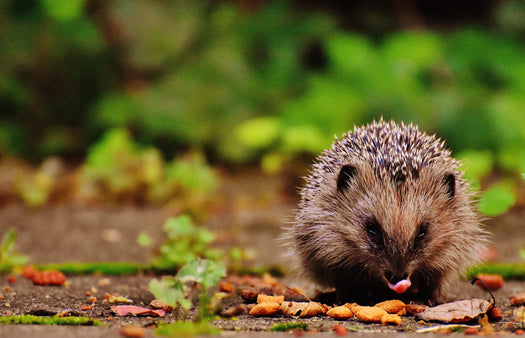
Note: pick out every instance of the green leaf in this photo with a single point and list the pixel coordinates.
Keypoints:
(169, 291)
(144, 240)
(496, 200)
(64, 10)
(476, 165)
(258, 133)
(202, 271)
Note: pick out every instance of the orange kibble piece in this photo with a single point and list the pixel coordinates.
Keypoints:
(226, 286)
(29, 271)
(340, 330)
(262, 298)
(132, 331)
(391, 319)
(87, 307)
(369, 313)
(49, 277)
(11, 279)
(265, 309)
(340, 312)
(391, 306)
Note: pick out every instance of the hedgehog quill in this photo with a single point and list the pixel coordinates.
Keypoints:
(385, 213)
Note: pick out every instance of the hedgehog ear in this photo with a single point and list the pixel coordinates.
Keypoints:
(345, 175)
(450, 183)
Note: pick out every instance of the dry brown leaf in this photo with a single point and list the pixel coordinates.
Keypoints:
(302, 309)
(124, 310)
(158, 304)
(340, 312)
(519, 315)
(369, 313)
(262, 298)
(391, 319)
(235, 310)
(391, 306)
(265, 309)
(518, 299)
(456, 312)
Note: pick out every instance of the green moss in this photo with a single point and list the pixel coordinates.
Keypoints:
(289, 326)
(54, 320)
(96, 267)
(506, 270)
(186, 329)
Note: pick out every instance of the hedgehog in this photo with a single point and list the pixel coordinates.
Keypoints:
(385, 213)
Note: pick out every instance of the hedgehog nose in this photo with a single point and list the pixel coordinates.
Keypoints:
(395, 277)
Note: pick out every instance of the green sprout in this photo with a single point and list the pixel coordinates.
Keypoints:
(9, 258)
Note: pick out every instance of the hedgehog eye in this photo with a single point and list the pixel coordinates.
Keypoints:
(421, 233)
(373, 229)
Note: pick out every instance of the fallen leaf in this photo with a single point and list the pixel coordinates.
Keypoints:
(158, 304)
(519, 315)
(235, 310)
(124, 310)
(456, 312)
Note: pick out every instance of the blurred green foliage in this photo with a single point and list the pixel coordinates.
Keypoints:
(119, 168)
(9, 258)
(266, 85)
(185, 243)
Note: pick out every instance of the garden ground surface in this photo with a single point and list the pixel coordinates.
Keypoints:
(248, 213)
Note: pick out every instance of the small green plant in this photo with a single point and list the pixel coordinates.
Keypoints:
(185, 243)
(9, 258)
(186, 329)
(53, 320)
(285, 327)
(175, 290)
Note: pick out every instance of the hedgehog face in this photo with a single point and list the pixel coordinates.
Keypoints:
(397, 224)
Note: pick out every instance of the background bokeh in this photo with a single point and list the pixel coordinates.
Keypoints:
(143, 95)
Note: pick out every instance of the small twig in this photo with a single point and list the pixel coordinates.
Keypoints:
(486, 289)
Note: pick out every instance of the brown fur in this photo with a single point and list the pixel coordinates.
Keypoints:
(399, 208)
